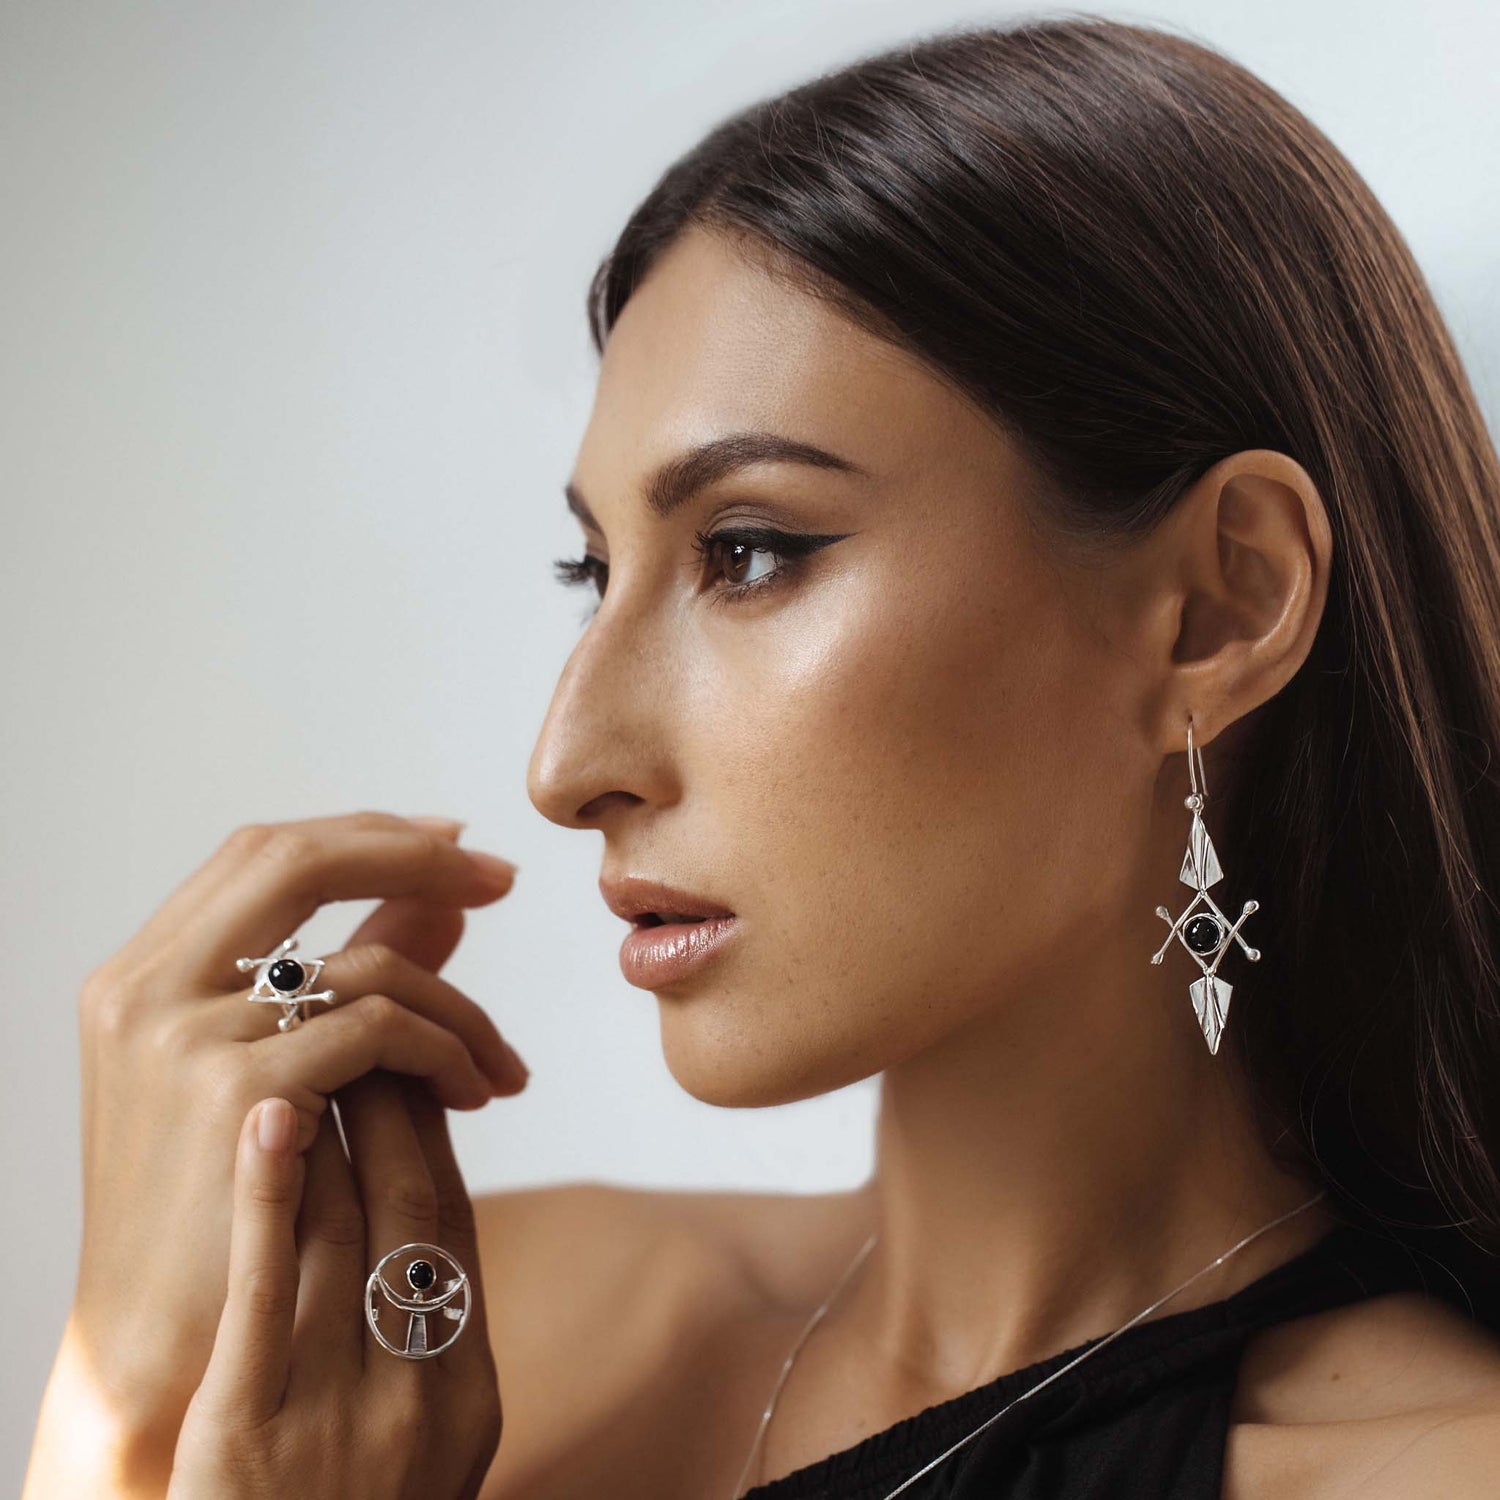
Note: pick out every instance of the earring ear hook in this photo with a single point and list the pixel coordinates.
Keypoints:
(1197, 776)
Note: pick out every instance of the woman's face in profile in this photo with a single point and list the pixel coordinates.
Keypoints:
(906, 762)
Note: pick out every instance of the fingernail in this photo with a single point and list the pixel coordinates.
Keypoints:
(276, 1127)
(450, 826)
(492, 866)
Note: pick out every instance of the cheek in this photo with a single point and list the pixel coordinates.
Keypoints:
(918, 784)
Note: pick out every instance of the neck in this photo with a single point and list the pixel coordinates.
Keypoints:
(1043, 1176)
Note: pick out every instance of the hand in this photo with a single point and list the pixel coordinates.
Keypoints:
(173, 1055)
(299, 1398)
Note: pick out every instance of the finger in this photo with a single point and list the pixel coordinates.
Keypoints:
(376, 969)
(279, 883)
(457, 1230)
(398, 1195)
(375, 1031)
(329, 1332)
(427, 932)
(469, 1359)
(247, 1371)
(179, 911)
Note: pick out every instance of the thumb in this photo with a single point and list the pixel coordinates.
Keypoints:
(247, 1372)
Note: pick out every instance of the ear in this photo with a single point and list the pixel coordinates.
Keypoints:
(1242, 567)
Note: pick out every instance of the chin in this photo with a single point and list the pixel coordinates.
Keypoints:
(728, 1054)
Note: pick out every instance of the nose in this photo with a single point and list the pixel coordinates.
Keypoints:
(605, 743)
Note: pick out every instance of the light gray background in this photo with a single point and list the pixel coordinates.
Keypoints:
(293, 367)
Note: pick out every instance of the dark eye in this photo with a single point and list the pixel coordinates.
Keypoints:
(732, 548)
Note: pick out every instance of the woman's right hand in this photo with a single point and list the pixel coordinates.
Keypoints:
(173, 1056)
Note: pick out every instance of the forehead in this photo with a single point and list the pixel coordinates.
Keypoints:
(711, 343)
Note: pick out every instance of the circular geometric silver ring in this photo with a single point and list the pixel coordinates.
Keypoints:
(431, 1292)
(286, 982)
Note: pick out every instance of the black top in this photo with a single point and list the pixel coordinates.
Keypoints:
(1148, 1415)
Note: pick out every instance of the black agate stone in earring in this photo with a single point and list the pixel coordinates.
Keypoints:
(1203, 934)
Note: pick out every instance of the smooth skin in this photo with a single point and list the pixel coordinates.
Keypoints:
(936, 770)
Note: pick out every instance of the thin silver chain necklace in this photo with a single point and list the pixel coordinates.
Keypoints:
(927, 1468)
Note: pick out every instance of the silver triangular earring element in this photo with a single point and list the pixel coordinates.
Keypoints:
(1202, 928)
(1200, 865)
(1211, 1002)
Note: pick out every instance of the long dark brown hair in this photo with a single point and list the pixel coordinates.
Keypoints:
(1139, 258)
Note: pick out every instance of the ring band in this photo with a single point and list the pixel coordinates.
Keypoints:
(422, 1275)
(285, 981)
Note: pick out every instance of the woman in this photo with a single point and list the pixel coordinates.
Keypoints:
(1042, 535)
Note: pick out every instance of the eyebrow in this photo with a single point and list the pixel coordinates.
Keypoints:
(677, 480)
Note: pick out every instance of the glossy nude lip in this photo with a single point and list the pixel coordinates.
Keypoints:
(655, 956)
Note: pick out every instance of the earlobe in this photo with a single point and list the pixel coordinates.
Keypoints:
(1252, 549)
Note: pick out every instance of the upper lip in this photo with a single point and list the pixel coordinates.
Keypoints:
(633, 896)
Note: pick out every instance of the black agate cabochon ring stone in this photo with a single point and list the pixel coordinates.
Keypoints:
(286, 975)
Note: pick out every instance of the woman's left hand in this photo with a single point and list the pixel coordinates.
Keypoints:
(299, 1397)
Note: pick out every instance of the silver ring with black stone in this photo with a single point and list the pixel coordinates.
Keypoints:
(287, 982)
(435, 1293)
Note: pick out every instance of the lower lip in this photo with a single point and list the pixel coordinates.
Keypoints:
(654, 956)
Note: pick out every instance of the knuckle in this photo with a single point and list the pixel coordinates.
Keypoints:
(478, 1389)
(454, 1207)
(112, 1001)
(342, 1225)
(247, 839)
(275, 1192)
(377, 1012)
(269, 1292)
(167, 1033)
(437, 848)
(474, 1410)
(105, 1003)
(99, 982)
(372, 820)
(487, 1419)
(370, 963)
(242, 1444)
(412, 1196)
(288, 847)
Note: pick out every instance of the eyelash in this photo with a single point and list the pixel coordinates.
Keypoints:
(791, 547)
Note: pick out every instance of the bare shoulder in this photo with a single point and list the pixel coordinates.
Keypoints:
(1396, 1397)
(611, 1311)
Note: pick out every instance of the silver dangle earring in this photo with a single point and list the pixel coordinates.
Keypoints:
(1207, 934)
